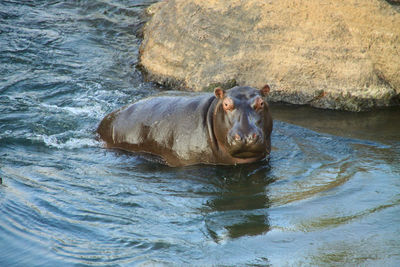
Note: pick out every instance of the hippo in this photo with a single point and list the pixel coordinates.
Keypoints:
(228, 127)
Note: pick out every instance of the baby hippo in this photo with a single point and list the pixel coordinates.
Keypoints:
(227, 127)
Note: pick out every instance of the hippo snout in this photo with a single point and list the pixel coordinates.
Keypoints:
(246, 145)
(236, 138)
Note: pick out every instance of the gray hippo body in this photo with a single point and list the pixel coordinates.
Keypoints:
(227, 127)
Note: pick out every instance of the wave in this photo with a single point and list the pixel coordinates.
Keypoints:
(90, 110)
(71, 143)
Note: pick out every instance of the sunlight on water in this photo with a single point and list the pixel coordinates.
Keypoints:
(329, 194)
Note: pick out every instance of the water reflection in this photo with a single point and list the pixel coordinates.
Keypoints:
(232, 201)
(240, 207)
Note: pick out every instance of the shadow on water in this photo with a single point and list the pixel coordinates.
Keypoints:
(375, 125)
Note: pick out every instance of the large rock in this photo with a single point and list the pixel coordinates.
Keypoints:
(339, 54)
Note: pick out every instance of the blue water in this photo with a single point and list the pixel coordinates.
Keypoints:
(330, 194)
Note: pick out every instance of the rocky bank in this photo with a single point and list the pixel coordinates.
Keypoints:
(339, 54)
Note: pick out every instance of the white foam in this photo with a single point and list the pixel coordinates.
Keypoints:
(90, 110)
(72, 143)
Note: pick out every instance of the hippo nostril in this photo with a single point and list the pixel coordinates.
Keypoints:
(248, 139)
(237, 137)
(252, 138)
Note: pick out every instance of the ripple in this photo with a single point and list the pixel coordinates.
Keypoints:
(313, 182)
(329, 222)
(67, 230)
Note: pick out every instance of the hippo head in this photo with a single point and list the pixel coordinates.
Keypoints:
(242, 122)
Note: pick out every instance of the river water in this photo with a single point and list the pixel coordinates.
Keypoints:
(330, 194)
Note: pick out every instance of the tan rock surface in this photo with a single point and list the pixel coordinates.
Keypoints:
(339, 54)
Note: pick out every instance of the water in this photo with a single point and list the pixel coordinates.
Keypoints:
(329, 195)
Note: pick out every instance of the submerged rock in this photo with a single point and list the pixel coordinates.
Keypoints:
(342, 54)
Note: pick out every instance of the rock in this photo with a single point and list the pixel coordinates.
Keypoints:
(342, 54)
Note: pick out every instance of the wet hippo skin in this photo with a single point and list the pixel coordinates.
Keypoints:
(227, 127)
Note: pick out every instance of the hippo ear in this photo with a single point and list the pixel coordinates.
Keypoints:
(219, 93)
(265, 90)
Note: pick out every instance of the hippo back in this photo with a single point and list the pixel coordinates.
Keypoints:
(175, 127)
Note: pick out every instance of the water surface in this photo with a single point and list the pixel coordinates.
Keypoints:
(329, 194)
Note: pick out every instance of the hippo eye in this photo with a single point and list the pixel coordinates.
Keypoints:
(259, 104)
(228, 104)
